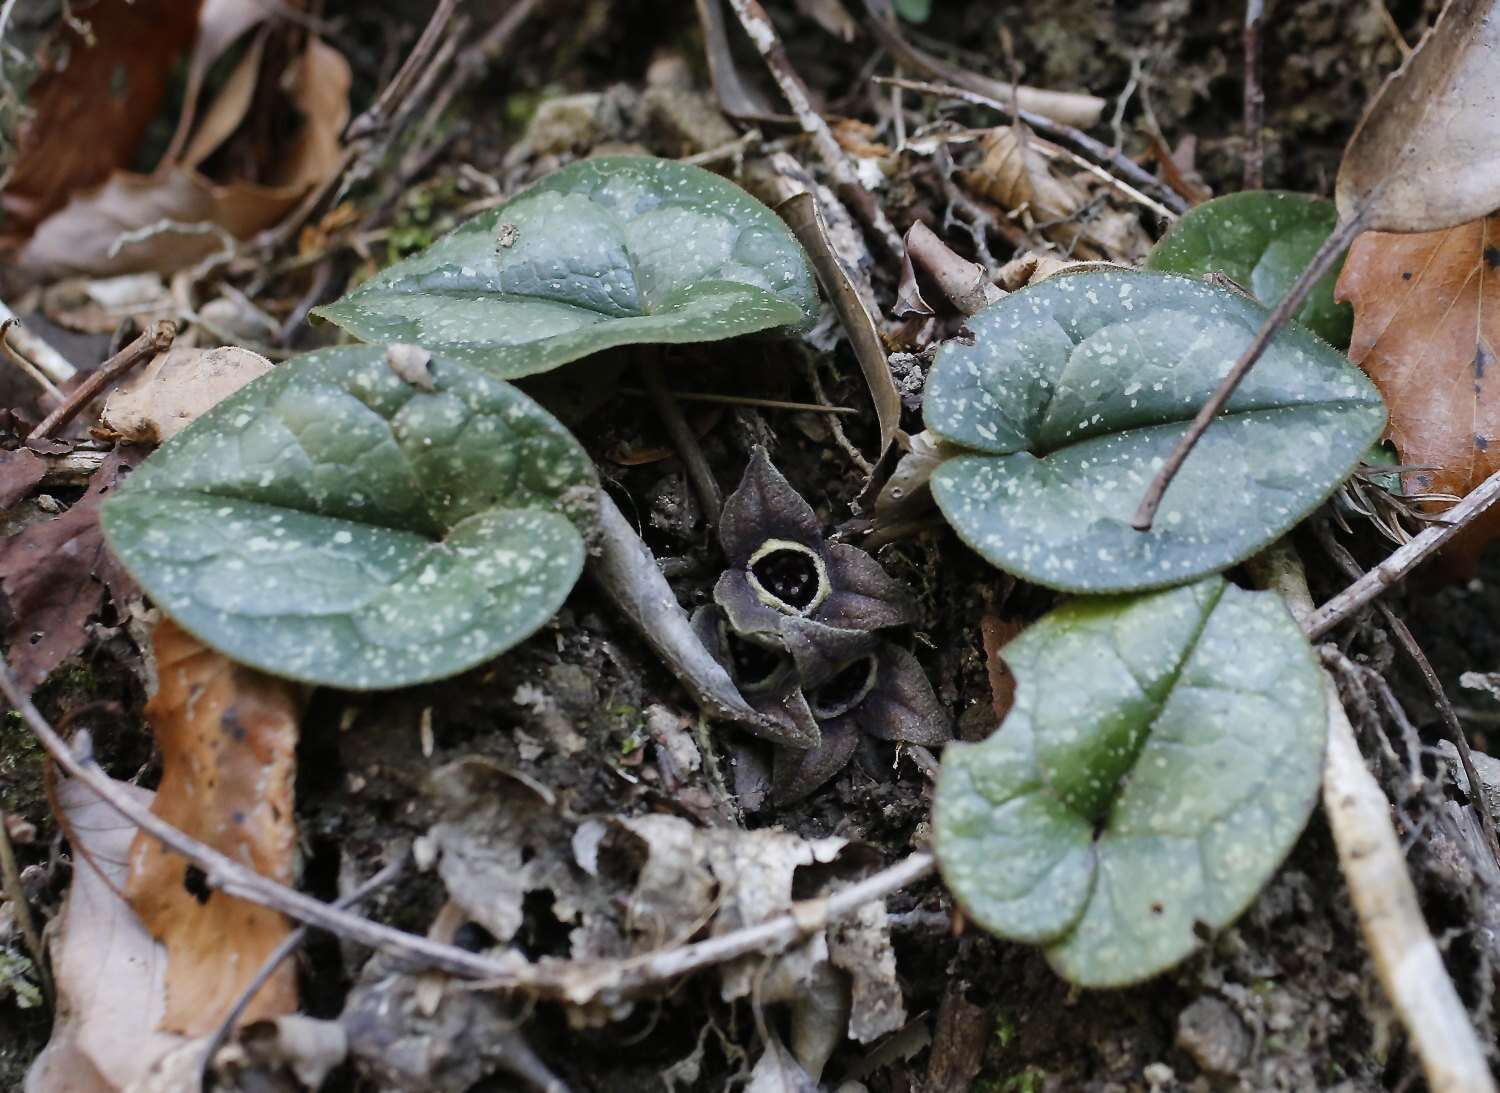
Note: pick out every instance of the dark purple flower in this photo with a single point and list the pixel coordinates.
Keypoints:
(789, 589)
(883, 694)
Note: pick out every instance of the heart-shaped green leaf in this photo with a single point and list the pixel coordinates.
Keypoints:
(1072, 393)
(611, 251)
(1262, 239)
(1161, 758)
(335, 523)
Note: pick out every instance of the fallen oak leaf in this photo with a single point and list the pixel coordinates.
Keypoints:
(227, 736)
(54, 576)
(1426, 328)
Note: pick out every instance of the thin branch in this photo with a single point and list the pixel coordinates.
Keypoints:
(714, 399)
(1406, 958)
(25, 364)
(1320, 264)
(685, 441)
(288, 946)
(10, 874)
(156, 339)
(392, 95)
(577, 983)
(48, 360)
(1401, 562)
(1408, 642)
(1065, 135)
(1255, 98)
(758, 26)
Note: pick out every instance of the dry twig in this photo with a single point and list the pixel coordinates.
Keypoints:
(157, 339)
(1317, 266)
(574, 982)
(757, 24)
(288, 946)
(1374, 866)
(1401, 562)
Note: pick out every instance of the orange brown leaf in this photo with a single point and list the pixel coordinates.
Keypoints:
(1426, 324)
(228, 737)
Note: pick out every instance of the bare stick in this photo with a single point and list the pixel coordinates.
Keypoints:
(685, 441)
(10, 873)
(578, 982)
(1408, 642)
(379, 112)
(1401, 562)
(1255, 98)
(1065, 135)
(758, 25)
(33, 372)
(157, 339)
(1320, 264)
(289, 945)
(746, 400)
(1406, 958)
(1065, 107)
(52, 364)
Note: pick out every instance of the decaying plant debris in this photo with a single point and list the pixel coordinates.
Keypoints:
(586, 545)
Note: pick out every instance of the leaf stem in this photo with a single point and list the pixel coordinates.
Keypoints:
(1320, 264)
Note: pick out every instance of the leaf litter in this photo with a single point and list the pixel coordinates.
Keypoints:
(627, 828)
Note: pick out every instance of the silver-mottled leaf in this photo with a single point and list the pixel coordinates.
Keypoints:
(333, 523)
(1162, 756)
(611, 251)
(1072, 393)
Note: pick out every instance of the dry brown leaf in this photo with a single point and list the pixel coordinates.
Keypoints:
(173, 390)
(227, 736)
(1426, 326)
(1025, 175)
(1014, 174)
(83, 233)
(995, 632)
(54, 575)
(20, 471)
(110, 972)
(1426, 155)
(92, 103)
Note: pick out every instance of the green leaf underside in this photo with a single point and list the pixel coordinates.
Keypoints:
(334, 524)
(1072, 395)
(1263, 239)
(612, 251)
(1187, 726)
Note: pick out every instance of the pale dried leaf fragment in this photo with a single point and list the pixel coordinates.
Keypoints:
(778, 1072)
(1426, 155)
(170, 393)
(228, 737)
(110, 972)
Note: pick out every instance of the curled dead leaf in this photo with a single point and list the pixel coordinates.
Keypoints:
(227, 736)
